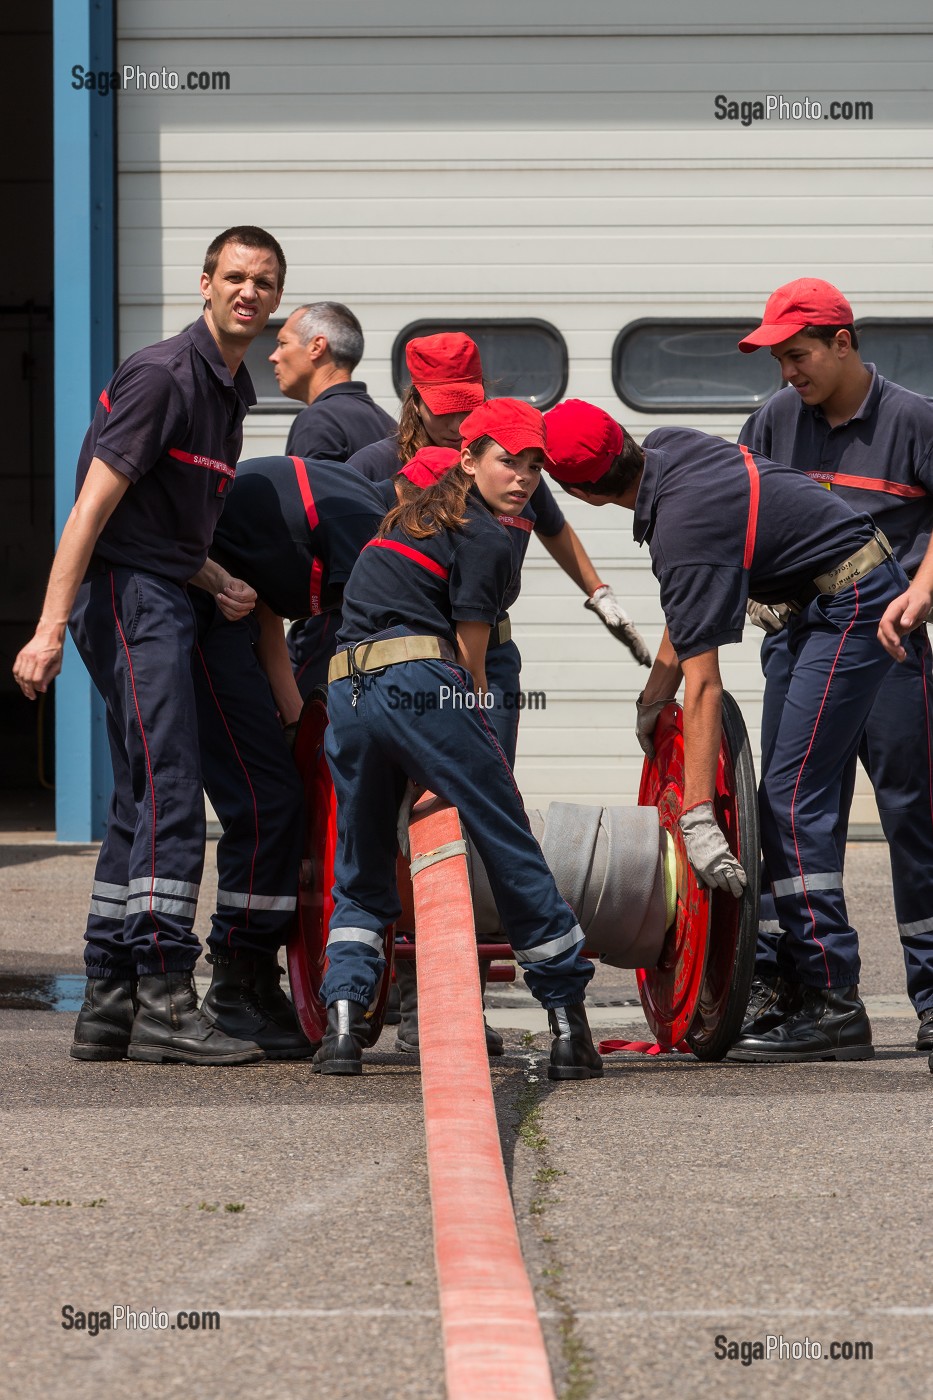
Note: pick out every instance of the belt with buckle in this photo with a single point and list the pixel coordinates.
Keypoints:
(389, 651)
(852, 570)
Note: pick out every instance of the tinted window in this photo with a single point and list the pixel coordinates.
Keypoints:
(902, 350)
(521, 359)
(691, 366)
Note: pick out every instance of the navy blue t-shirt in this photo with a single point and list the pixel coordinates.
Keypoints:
(519, 527)
(426, 586)
(693, 507)
(284, 514)
(338, 423)
(171, 420)
(379, 460)
(880, 461)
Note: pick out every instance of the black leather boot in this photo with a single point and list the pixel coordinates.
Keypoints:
(245, 1000)
(925, 1031)
(573, 1054)
(769, 1004)
(495, 1045)
(829, 1024)
(105, 1021)
(407, 1039)
(406, 978)
(346, 1037)
(393, 1014)
(169, 1027)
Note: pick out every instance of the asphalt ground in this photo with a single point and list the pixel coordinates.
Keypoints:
(664, 1206)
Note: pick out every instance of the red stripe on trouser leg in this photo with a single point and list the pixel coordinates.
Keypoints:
(252, 868)
(793, 821)
(139, 721)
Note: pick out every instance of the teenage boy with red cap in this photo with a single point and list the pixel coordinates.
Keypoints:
(417, 613)
(871, 443)
(724, 524)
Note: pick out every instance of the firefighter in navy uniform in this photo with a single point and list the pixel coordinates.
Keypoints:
(417, 612)
(316, 353)
(152, 479)
(723, 525)
(292, 529)
(871, 442)
(447, 384)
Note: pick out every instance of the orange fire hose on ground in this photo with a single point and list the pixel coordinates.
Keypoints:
(493, 1342)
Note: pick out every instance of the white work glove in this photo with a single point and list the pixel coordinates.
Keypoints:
(646, 719)
(770, 617)
(708, 851)
(611, 612)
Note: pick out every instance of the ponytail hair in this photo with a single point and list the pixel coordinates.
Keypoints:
(412, 433)
(425, 511)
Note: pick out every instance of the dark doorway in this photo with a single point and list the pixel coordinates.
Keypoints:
(26, 372)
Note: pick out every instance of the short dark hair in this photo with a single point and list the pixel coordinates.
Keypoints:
(624, 471)
(828, 334)
(248, 236)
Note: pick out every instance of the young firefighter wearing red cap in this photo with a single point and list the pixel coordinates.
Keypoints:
(417, 611)
(447, 384)
(446, 387)
(723, 525)
(870, 442)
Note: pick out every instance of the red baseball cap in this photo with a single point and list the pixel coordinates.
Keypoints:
(512, 423)
(584, 441)
(429, 464)
(806, 302)
(447, 371)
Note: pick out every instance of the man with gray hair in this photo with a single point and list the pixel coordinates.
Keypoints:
(317, 350)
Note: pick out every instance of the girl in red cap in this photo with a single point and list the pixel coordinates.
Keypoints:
(417, 612)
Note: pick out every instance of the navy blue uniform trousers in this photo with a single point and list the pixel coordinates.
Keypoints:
(503, 677)
(372, 749)
(896, 751)
(503, 672)
(839, 667)
(135, 633)
(253, 785)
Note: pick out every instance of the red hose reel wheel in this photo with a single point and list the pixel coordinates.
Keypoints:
(307, 948)
(699, 989)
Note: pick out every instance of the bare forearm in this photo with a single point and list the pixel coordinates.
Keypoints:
(923, 578)
(472, 640)
(80, 535)
(211, 577)
(567, 551)
(39, 661)
(275, 661)
(702, 731)
(666, 674)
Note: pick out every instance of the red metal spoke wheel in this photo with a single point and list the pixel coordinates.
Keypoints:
(307, 949)
(699, 989)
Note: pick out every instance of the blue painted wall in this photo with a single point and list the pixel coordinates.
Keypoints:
(85, 357)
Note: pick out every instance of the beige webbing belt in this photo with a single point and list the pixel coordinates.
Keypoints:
(852, 570)
(390, 651)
